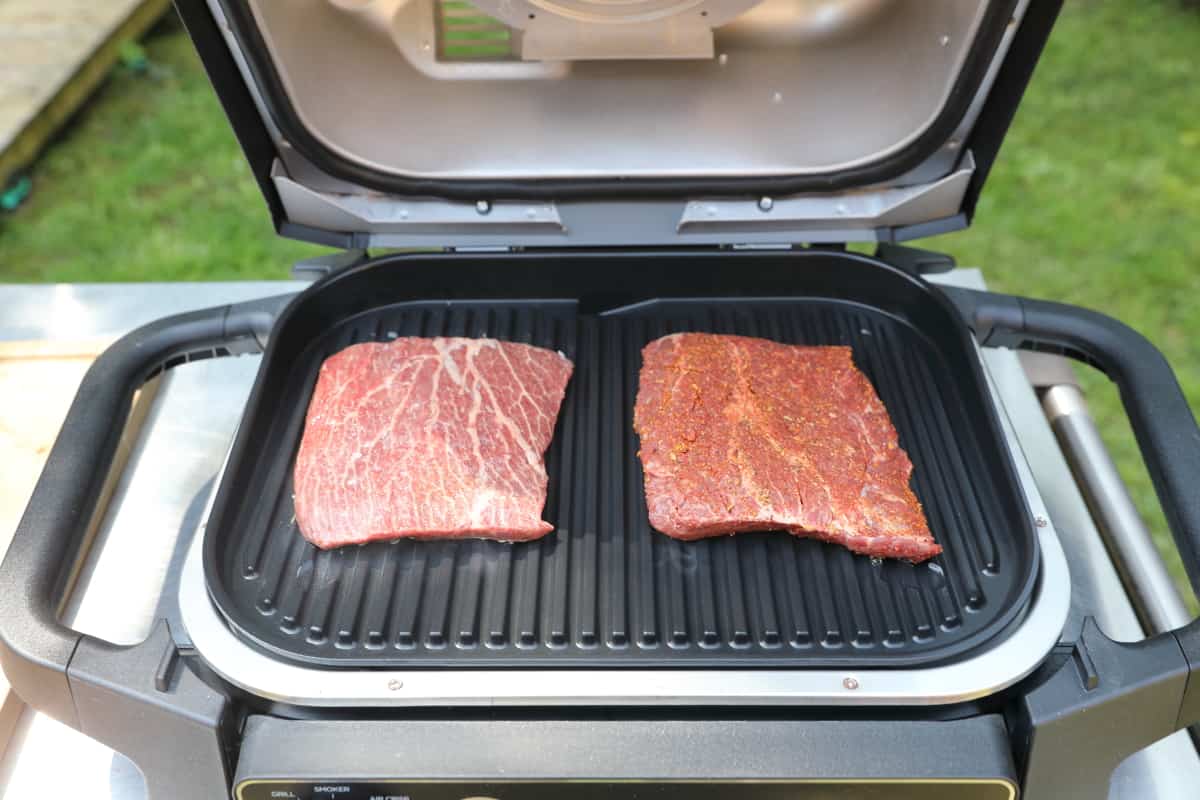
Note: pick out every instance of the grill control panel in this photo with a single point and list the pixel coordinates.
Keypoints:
(885, 789)
(624, 759)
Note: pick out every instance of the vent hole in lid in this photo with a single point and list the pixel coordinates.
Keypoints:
(464, 33)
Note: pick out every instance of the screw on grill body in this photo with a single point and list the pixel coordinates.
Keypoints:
(1041, 522)
(765, 204)
(395, 685)
(850, 683)
(483, 207)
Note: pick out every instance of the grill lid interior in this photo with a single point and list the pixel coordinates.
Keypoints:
(397, 119)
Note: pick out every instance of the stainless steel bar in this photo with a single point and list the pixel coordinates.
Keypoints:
(1155, 596)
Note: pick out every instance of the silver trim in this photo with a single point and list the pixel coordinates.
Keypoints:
(502, 221)
(976, 108)
(996, 668)
(867, 209)
(838, 217)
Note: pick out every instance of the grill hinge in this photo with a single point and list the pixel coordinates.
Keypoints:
(317, 267)
(914, 260)
(836, 217)
(394, 221)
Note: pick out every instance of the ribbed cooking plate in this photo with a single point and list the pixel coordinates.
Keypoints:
(605, 589)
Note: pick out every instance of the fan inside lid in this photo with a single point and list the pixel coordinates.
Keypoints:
(582, 30)
(578, 30)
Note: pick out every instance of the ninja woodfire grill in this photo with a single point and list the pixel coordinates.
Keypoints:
(596, 178)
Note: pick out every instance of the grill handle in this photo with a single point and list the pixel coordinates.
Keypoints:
(36, 648)
(1162, 421)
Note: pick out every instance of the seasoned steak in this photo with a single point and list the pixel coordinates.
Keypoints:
(429, 438)
(744, 434)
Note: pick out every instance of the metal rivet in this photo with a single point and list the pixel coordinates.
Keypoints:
(1041, 522)
(850, 683)
(945, 40)
(765, 204)
(723, 59)
(395, 685)
(483, 206)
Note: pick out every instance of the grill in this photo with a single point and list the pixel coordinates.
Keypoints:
(703, 170)
(606, 590)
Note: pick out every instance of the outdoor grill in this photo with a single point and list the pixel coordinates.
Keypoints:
(596, 176)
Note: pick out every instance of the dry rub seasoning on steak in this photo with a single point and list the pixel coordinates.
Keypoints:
(744, 434)
(429, 438)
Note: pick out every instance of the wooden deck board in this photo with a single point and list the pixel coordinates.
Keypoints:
(54, 54)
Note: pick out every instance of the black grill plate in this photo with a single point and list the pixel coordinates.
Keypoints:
(605, 590)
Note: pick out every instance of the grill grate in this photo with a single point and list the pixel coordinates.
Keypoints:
(604, 588)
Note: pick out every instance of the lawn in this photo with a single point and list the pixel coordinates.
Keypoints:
(1095, 198)
(147, 184)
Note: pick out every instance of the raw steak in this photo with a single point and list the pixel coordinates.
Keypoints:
(743, 434)
(429, 438)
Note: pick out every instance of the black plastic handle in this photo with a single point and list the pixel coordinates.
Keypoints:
(1162, 421)
(35, 647)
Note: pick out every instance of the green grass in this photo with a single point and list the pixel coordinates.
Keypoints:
(147, 184)
(1095, 198)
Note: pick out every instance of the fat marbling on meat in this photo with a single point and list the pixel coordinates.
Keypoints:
(429, 438)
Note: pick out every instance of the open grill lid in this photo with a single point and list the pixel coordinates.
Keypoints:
(418, 123)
